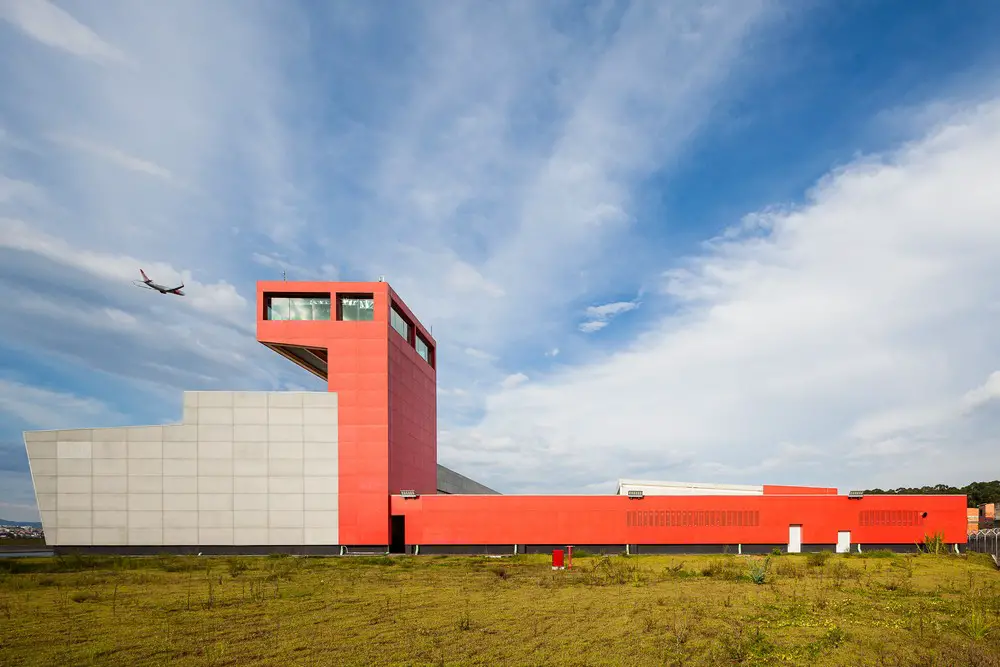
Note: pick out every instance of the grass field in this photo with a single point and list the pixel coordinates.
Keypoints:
(816, 609)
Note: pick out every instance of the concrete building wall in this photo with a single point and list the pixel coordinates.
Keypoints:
(242, 468)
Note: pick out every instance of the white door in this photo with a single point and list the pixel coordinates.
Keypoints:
(795, 539)
(843, 541)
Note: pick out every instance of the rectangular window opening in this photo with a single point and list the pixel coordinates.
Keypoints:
(356, 307)
(399, 323)
(425, 351)
(297, 307)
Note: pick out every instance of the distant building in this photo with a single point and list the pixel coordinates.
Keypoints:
(987, 515)
(972, 515)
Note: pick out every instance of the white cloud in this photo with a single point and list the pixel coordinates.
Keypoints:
(862, 322)
(118, 157)
(496, 221)
(601, 316)
(513, 380)
(915, 418)
(479, 354)
(53, 26)
(610, 310)
(592, 326)
(47, 409)
(980, 396)
(218, 298)
(120, 318)
(553, 352)
(80, 306)
(294, 271)
(13, 190)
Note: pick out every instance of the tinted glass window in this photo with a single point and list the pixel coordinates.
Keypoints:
(423, 349)
(298, 308)
(399, 324)
(357, 309)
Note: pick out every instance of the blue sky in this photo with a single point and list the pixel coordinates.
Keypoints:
(740, 241)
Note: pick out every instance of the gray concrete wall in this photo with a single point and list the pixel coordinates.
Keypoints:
(242, 468)
(449, 481)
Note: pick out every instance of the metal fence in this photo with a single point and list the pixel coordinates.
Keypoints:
(986, 542)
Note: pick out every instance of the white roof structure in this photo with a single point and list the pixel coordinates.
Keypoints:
(658, 488)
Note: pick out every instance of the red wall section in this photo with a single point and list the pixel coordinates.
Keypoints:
(443, 519)
(775, 489)
(412, 411)
(412, 419)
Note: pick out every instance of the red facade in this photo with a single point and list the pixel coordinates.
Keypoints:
(412, 413)
(695, 520)
(386, 397)
(387, 428)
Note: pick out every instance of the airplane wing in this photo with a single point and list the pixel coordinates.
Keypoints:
(177, 290)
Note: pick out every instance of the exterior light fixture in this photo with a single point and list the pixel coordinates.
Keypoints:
(408, 493)
(635, 495)
(856, 495)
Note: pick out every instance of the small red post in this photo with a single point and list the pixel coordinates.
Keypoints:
(557, 559)
(569, 557)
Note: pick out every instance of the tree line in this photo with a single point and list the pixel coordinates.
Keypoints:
(978, 492)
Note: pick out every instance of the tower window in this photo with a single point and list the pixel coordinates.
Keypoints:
(399, 323)
(355, 307)
(424, 350)
(311, 307)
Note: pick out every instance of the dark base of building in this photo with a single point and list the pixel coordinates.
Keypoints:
(468, 549)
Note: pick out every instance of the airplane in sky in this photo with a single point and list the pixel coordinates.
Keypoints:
(162, 289)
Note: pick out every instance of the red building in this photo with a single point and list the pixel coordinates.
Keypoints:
(380, 361)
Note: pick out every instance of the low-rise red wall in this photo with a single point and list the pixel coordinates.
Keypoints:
(470, 520)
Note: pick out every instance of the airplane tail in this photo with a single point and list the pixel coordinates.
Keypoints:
(144, 276)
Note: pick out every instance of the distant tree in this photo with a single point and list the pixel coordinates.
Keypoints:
(978, 492)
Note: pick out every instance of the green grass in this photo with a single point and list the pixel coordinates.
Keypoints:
(674, 610)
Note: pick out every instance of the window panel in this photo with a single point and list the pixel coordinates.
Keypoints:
(298, 308)
(277, 308)
(401, 326)
(359, 308)
(423, 349)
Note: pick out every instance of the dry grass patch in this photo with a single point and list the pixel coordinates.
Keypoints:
(690, 610)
